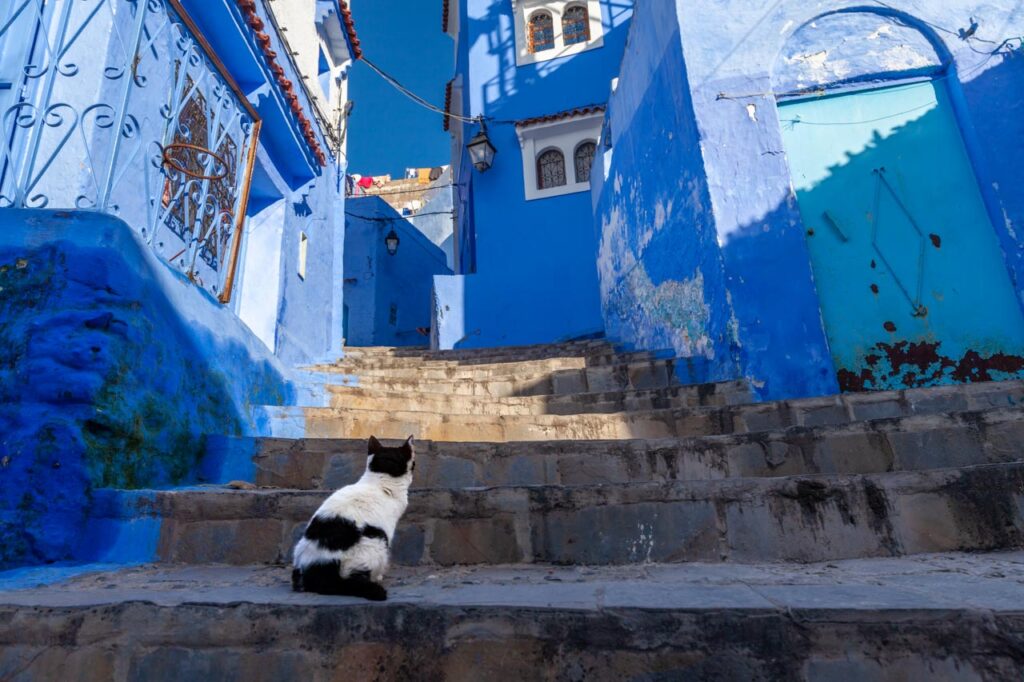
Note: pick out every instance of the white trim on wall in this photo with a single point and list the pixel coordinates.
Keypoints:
(524, 9)
(565, 135)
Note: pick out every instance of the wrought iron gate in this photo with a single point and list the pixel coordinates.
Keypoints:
(121, 106)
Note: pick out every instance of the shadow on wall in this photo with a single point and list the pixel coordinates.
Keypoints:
(113, 370)
(660, 268)
(913, 286)
(521, 91)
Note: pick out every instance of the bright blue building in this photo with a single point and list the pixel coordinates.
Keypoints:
(817, 196)
(539, 73)
(170, 239)
(387, 294)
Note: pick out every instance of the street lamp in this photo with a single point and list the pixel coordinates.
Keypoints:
(391, 243)
(481, 151)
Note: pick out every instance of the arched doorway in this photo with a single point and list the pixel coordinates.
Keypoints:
(913, 286)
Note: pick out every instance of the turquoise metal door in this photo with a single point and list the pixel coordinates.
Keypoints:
(913, 287)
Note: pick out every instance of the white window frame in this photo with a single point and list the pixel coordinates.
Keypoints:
(565, 135)
(524, 9)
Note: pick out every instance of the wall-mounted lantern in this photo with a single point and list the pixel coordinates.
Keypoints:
(391, 243)
(481, 151)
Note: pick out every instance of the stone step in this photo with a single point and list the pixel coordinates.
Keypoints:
(815, 518)
(702, 395)
(876, 446)
(538, 351)
(935, 617)
(523, 382)
(348, 422)
(493, 364)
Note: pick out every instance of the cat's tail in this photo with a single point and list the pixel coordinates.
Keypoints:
(326, 579)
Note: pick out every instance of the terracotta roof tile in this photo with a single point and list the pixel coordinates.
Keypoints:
(350, 27)
(448, 104)
(570, 113)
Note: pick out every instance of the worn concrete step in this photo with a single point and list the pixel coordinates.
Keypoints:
(701, 395)
(523, 382)
(815, 518)
(493, 363)
(348, 422)
(935, 617)
(538, 351)
(876, 446)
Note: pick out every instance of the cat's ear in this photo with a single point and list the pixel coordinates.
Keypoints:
(374, 445)
(407, 446)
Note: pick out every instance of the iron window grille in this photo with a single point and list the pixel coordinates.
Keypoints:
(576, 25)
(550, 169)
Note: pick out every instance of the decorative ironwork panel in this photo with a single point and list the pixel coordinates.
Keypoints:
(576, 25)
(584, 159)
(121, 108)
(542, 32)
(550, 169)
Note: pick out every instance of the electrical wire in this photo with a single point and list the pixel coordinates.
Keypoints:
(395, 83)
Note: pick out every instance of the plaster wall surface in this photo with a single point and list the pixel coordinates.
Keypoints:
(534, 278)
(721, 212)
(113, 370)
(299, 317)
(388, 296)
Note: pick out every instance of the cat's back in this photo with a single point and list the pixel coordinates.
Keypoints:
(361, 502)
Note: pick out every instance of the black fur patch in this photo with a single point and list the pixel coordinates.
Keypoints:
(325, 578)
(375, 532)
(390, 461)
(335, 534)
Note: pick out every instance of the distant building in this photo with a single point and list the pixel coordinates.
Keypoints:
(171, 239)
(817, 197)
(425, 196)
(539, 72)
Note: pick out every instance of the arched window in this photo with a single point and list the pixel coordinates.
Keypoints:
(542, 32)
(576, 25)
(550, 169)
(584, 158)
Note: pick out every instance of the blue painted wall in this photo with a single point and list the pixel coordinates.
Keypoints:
(113, 369)
(727, 260)
(376, 282)
(534, 278)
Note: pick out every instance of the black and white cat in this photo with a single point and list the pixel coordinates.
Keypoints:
(344, 549)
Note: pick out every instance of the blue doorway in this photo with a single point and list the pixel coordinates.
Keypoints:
(913, 287)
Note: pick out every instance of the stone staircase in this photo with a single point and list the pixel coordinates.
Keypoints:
(576, 514)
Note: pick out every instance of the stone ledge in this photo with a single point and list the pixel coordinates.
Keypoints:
(734, 520)
(934, 617)
(901, 444)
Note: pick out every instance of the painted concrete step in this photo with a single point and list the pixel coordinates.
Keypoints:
(472, 426)
(701, 395)
(876, 446)
(813, 518)
(934, 617)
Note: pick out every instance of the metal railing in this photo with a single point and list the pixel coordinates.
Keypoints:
(121, 106)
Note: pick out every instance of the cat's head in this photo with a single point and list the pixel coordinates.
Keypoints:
(396, 462)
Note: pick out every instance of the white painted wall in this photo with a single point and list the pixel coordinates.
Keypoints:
(260, 288)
